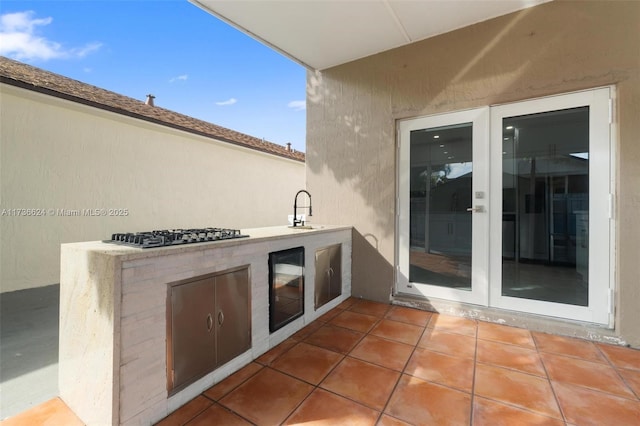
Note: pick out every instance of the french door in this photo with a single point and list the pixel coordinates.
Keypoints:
(510, 206)
(443, 222)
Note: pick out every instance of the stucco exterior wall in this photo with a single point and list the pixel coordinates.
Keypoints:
(552, 48)
(60, 155)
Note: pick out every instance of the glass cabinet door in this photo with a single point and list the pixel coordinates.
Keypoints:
(286, 288)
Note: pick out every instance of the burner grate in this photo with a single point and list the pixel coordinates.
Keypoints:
(172, 237)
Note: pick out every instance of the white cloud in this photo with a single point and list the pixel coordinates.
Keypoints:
(81, 52)
(230, 101)
(18, 39)
(298, 105)
(182, 77)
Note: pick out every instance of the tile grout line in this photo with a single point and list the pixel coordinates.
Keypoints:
(425, 328)
(402, 372)
(546, 372)
(608, 363)
(546, 378)
(227, 393)
(473, 383)
(616, 369)
(317, 386)
(344, 356)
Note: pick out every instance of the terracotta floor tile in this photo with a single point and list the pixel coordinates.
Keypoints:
(337, 339)
(53, 412)
(409, 315)
(307, 362)
(398, 331)
(370, 308)
(326, 408)
(383, 352)
(509, 356)
(505, 334)
(423, 403)
(632, 379)
(217, 415)
(222, 388)
(267, 398)
(569, 346)
(347, 303)
(386, 420)
(273, 353)
(362, 382)
(187, 412)
(447, 370)
(582, 406)
(492, 413)
(330, 315)
(622, 357)
(453, 324)
(448, 343)
(523, 390)
(589, 374)
(306, 331)
(354, 321)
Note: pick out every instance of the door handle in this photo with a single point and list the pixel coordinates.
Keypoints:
(209, 322)
(220, 318)
(476, 209)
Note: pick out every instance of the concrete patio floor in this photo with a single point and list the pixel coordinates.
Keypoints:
(28, 348)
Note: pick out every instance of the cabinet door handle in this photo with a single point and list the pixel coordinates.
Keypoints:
(209, 322)
(220, 318)
(330, 272)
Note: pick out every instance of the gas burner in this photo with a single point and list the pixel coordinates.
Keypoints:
(174, 237)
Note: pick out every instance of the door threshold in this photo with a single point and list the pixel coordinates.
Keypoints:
(531, 322)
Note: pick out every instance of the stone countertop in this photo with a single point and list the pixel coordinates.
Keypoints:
(254, 235)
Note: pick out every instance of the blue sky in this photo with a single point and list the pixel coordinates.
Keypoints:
(192, 62)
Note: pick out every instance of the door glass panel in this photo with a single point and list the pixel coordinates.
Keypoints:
(286, 288)
(440, 193)
(545, 209)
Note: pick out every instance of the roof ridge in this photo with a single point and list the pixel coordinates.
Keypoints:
(39, 80)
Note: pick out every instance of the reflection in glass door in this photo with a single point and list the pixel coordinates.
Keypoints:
(440, 194)
(537, 222)
(443, 217)
(545, 206)
(551, 183)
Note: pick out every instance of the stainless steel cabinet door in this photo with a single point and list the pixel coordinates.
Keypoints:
(328, 278)
(233, 322)
(192, 331)
(335, 271)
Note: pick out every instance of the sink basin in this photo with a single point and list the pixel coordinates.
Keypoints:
(306, 227)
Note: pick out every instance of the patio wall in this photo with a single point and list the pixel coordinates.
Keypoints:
(58, 154)
(552, 48)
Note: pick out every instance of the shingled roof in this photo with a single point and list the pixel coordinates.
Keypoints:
(28, 77)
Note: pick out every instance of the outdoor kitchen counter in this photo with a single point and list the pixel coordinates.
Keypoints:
(113, 315)
(254, 235)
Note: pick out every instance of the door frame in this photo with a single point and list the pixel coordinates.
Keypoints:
(479, 117)
(601, 308)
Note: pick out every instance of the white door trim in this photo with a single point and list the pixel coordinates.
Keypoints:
(597, 310)
(487, 281)
(480, 220)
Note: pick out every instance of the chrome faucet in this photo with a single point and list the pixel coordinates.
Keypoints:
(297, 222)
